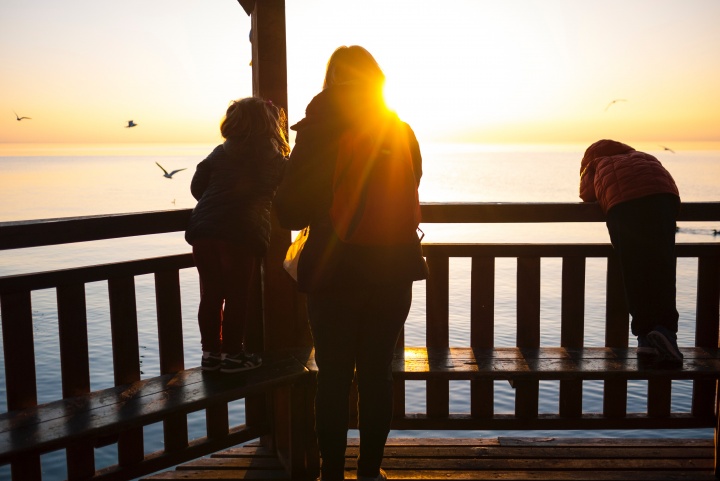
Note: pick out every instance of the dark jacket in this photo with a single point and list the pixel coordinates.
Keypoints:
(235, 186)
(306, 192)
(612, 173)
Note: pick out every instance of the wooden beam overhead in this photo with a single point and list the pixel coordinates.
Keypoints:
(247, 5)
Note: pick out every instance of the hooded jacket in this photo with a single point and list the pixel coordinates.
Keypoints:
(612, 172)
(235, 186)
(306, 193)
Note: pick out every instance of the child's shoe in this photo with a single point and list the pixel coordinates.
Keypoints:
(211, 361)
(666, 344)
(644, 347)
(241, 361)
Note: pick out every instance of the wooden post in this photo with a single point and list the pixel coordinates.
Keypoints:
(572, 329)
(285, 320)
(17, 332)
(482, 330)
(527, 392)
(126, 357)
(437, 331)
(284, 316)
(707, 320)
(170, 343)
(75, 368)
(616, 335)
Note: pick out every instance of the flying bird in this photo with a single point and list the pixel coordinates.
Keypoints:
(131, 123)
(169, 176)
(614, 101)
(667, 148)
(20, 118)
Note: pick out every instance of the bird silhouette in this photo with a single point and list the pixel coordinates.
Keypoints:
(613, 102)
(667, 148)
(131, 123)
(20, 118)
(169, 176)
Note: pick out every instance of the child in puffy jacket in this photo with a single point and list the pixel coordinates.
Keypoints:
(230, 226)
(641, 202)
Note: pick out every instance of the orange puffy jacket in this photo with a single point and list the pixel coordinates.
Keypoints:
(612, 172)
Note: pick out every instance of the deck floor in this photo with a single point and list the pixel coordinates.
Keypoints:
(506, 458)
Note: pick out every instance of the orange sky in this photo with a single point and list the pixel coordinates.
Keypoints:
(497, 71)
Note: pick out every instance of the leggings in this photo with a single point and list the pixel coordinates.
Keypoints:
(226, 270)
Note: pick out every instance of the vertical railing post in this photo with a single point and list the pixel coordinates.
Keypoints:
(707, 324)
(170, 347)
(126, 357)
(572, 329)
(482, 330)
(75, 368)
(706, 328)
(527, 393)
(437, 330)
(20, 383)
(616, 335)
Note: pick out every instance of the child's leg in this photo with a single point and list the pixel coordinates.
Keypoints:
(238, 269)
(208, 263)
(643, 235)
(665, 267)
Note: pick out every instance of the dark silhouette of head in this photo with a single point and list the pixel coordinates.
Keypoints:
(604, 148)
(256, 118)
(356, 65)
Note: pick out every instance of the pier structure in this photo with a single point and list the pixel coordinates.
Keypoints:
(275, 440)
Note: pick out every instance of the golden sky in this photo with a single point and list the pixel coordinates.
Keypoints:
(501, 71)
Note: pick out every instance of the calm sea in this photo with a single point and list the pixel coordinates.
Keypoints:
(41, 182)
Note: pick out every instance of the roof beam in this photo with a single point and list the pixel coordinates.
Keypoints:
(247, 5)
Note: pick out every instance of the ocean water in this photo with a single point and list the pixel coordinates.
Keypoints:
(40, 182)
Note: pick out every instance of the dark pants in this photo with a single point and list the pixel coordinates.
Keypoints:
(226, 270)
(355, 331)
(642, 232)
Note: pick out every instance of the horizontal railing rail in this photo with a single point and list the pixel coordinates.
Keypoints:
(45, 232)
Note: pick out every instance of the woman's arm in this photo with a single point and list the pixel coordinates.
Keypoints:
(200, 180)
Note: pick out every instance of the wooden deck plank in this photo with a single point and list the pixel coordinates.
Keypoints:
(549, 363)
(575, 452)
(506, 458)
(538, 461)
(220, 475)
(233, 463)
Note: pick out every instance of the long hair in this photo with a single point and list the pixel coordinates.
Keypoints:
(255, 118)
(353, 64)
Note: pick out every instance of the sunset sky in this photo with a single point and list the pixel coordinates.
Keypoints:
(502, 71)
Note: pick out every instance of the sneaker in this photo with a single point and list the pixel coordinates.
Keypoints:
(211, 361)
(666, 344)
(241, 361)
(644, 347)
(380, 477)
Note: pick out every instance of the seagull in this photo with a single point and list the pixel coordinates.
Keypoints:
(667, 148)
(131, 123)
(169, 176)
(614, 101)
(20, 118)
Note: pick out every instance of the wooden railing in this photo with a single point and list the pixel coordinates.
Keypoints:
(568, 413)
(106, 411)
(20, 376)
